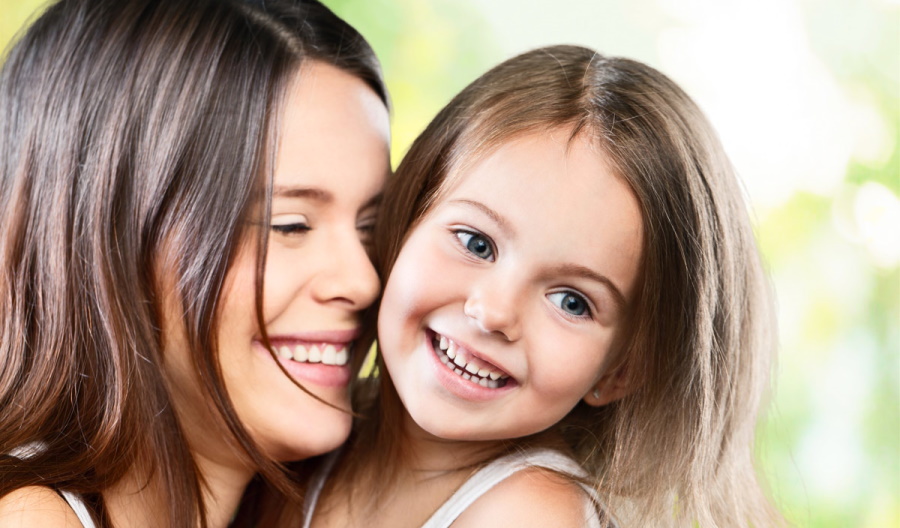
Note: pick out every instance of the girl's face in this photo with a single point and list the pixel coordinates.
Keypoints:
(331, 164)
(504, 301)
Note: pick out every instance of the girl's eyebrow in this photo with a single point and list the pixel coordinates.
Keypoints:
(494, 215)
(587, 273)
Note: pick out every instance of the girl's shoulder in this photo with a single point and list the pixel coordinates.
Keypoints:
(36, 506)
(532, 487)
(533, 497)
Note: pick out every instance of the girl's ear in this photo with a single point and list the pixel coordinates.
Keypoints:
(610, 387)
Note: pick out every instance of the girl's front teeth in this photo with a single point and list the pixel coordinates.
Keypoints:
(447, 353)
(326, 354)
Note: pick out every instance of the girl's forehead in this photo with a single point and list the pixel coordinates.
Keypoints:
(554, 199)
(479, 145)
(474, 167)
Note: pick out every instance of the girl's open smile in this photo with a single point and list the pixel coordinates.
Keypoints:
(516, 328)
(467, 365)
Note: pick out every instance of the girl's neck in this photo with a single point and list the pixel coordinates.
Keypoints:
(403, 488)
(430, 454)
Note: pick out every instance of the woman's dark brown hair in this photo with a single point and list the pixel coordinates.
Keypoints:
(136, 135)
(699, 341)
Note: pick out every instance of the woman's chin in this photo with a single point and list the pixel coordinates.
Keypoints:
(309, 442)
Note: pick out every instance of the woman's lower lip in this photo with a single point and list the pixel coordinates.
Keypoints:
(315, 373)
(459, 386)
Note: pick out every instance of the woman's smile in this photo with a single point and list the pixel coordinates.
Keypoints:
(321, 358)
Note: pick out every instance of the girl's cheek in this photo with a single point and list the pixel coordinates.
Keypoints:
(415, 279)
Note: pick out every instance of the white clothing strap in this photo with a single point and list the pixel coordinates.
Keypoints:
(504, 467)
(317, 482)
(80, 509)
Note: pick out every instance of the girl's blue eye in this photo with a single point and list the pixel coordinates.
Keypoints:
(476, 244)
(570, 303)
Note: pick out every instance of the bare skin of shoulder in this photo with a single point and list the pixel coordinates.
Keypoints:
(36, 506)
(530, 498)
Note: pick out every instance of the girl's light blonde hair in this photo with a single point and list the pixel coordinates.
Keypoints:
(698, 341)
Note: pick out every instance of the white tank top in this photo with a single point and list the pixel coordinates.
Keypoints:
(482, 481)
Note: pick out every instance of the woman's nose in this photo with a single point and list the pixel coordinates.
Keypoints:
(348, 275)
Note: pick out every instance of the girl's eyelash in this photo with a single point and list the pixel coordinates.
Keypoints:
(476, 244)
(572, 304)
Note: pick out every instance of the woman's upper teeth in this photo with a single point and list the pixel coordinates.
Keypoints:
(325, 353)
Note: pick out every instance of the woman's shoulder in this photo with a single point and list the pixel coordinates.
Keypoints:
(36, 506)
(533, 497)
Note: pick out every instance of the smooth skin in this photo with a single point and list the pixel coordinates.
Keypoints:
(331, 164)
(536, 248)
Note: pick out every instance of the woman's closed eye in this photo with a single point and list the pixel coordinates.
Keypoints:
(290, 224)
(366, 230)
(477, 244)
(571, 303)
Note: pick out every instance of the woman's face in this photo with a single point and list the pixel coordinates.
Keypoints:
(331, 164)
(506, 298)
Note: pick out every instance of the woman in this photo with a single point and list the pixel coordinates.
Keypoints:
(186, 190)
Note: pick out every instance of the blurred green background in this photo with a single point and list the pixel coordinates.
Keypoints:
(806, 97)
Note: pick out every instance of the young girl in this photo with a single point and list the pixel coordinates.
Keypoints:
(576, 328)
(186, 194)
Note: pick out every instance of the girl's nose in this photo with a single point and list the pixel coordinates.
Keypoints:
(493, 306)
(348, 276)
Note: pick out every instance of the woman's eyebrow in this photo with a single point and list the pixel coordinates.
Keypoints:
(319, 195)
(493, 215)
(310, 193)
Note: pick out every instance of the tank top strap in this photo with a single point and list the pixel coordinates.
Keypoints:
(316, 484)
(80, 509)
(495, 472)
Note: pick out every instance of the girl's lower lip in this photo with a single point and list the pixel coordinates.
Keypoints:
(315, 373)
(459, 386)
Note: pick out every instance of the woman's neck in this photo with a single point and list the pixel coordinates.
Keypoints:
(137, 501)
(224, 486)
